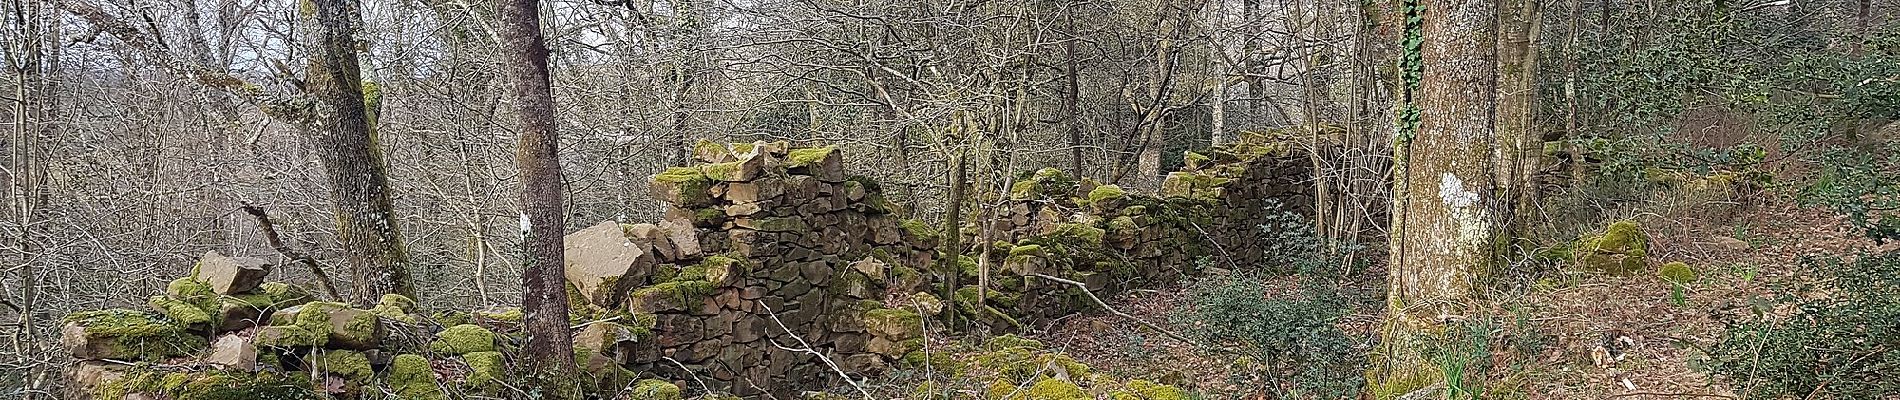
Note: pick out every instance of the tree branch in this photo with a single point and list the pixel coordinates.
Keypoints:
(270, 234)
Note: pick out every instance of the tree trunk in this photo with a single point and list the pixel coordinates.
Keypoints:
(348, 146)
(948, 266)
(1445, 219)
(1520, 142)
(549, 352)
(1071, 98)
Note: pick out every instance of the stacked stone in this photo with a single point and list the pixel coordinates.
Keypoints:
(1242, 184)
(766, 246)
(1112, 240)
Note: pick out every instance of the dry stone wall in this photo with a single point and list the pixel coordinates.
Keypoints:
(769, 261)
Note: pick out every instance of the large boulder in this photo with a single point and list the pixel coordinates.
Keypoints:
(231, 275)
(603, 264)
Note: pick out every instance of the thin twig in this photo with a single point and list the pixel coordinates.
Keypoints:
(270, 234)
(1112, 310)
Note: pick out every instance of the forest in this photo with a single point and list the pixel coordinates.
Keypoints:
(949, 199)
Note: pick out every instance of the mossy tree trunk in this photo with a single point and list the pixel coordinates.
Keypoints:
(347, 144)
(549, 360)
(1445, 220)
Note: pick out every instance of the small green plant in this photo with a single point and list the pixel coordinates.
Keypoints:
(1463, 354)
(1843, 339)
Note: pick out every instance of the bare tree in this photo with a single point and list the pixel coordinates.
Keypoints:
(359, 185)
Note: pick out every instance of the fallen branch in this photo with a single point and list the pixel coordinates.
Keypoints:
(270, 234)
(1112, 310)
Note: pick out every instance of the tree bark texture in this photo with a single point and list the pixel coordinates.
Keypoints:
(352, 155)
(550, 354)
(1521, 144)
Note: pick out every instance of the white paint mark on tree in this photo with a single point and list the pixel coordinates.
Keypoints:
(1452, 191)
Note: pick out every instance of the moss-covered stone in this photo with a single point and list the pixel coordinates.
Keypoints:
(1106, 197)
(799, 158)
(185, 313)
(653, 389)
(1621, 249)
(919, 230)
(463, 339)
(288, 336)
(1026, 251)
(894, 324)
(346, 364)
(206, 385)
(486, 369)
(412, 379)
(127, 335)
(1080, 233)
(683, 186)
(1677, 272)
(682, 291)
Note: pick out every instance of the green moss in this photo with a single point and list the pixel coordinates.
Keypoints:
(510, 314)
(798, 158)
(412, 378)
(1145, 390)
(893, 323)
(1055, 389)
(399, 302)
(919, 229)
(207, 385)
(1026, 251)
(1083, 233)
(708, 216)
(1194, 160)
(1677, 272)
(1106, 193)
(1621, 249)
(463, 339)
(189, 289)
(137, 336)
(653, 389)
(718, 269)
(289, 336)
(687, 186)
(349, 365)
(726, 171)
(185, 313)
(486, 369)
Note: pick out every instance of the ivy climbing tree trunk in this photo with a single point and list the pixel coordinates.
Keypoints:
(550, 356)
(347, 144)
(1445, 220)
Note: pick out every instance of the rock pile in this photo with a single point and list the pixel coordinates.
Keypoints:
(767, 247)
(769, 261)
(1110, 240)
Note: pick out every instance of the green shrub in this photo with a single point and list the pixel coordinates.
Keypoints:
(1843, 339)
(1294, 339)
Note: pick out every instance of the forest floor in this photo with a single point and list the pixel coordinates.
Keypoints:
(1568, 336)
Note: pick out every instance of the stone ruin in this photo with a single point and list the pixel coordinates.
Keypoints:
(770, 261)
